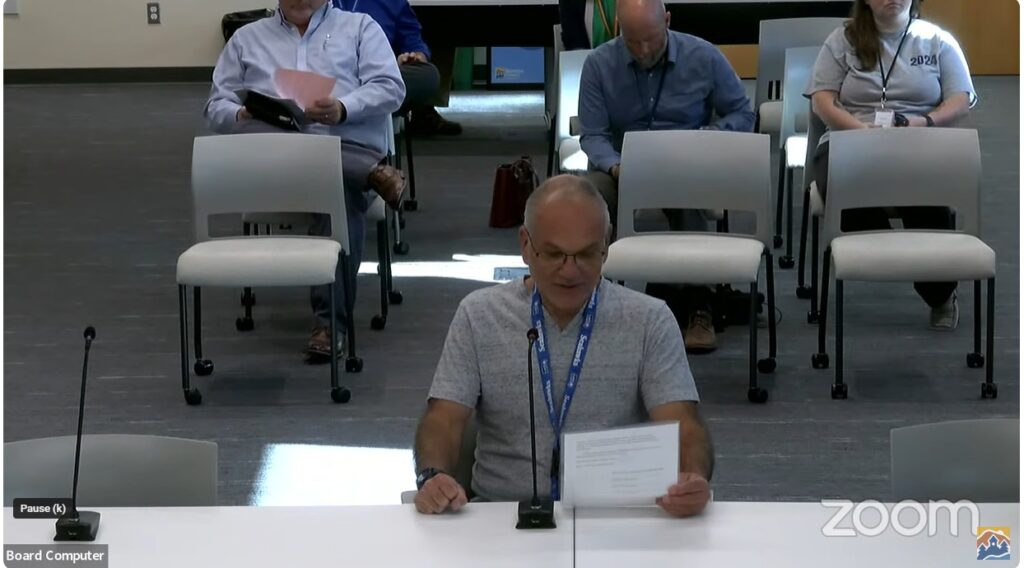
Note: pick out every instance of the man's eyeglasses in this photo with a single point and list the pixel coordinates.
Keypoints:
(589, 258)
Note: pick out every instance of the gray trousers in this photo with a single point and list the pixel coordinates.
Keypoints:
(694, 297)
(357, 162)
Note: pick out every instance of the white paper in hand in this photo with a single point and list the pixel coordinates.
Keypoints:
(621, 467)
(303, 87)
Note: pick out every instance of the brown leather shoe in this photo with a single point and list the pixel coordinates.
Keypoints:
(700, 333)
(389, 183)
(319, 348)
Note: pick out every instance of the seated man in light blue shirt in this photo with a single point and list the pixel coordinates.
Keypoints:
(652, 78)
(311, 35)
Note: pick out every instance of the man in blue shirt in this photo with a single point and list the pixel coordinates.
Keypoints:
(652, 78)
(310, 35)
(426, 85)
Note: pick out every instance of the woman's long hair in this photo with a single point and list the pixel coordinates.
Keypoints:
(862, 33)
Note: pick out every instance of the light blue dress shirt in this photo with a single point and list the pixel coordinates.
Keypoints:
(617, 96)
(347, 46)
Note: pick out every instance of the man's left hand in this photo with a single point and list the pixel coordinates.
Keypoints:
(326, 111)
(687, 497)
(412, 57)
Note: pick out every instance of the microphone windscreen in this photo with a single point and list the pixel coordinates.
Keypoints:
(90, 333)
(532, 334)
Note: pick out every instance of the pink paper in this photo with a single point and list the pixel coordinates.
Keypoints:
(303, 87)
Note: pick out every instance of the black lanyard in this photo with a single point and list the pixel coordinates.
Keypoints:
(888, 75)
(661, 84)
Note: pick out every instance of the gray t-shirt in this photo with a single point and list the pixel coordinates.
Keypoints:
(930, 69)
(635, 362)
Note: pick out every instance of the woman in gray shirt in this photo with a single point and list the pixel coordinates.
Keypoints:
(884, 65)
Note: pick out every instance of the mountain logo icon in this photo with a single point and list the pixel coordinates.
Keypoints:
(993, 543)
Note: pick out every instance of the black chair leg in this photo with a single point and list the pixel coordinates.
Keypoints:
(380, 320)
(339, 393)
(772, 337)
(812, 316)
(780, 189)
(989, 389)
(192, 395)
(975, 359)
(802, 290)
(839, 388)
(551, 144)
(353, 364)
(410, 204)
(786, 261)
(755, 393)
(820, 359)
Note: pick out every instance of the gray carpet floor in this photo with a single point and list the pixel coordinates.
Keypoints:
(96, 211)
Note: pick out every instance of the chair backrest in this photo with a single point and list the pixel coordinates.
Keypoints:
(799, 62)
(695, 169)
(775, 37)
(816, 128)
(900, 167)
(117, 470)
(570, 68)
(977, 460)
(268, 173)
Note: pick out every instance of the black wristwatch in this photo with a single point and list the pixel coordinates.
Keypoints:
(929, 120)
(424, 475)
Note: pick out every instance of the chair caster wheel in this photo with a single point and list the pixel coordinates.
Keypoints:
(777, 241)
(975, 360)
(353, 365)
(786, 262)
(395, 298)
(819, 360)
(766, 365)
(244, 324)
(341, 395)
(401, 248)
(410, 205)
(378, 322)
(839, 391)
(248, 300)
(203, 367)
(757, 395)
(812, 317)
(989, 390)
(193, 396)
(803, 292)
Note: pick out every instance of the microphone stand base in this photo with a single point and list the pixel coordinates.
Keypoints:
(84, 527)
(536, 516)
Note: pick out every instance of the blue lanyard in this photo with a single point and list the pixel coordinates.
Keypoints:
(544, 362)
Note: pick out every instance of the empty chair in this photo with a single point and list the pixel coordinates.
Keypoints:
(813, 209)
(695, 169)
(117, 470)
(976, 460)
(792, 138)
(266, 173)
(774, 38)
(901, 168)
(569, 156)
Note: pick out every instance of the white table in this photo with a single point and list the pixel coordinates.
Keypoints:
(483, 534)
(773, 534)
(311, 537)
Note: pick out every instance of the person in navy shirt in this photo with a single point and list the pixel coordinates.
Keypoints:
(652, 78)
(426, 85)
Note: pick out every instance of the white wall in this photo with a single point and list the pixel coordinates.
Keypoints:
(57, 34)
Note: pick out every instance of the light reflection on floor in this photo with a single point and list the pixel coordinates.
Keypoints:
(481, 268)
(309, 475)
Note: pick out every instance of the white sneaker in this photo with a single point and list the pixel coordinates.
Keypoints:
(947, 316)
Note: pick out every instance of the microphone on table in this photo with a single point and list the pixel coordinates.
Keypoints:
(535, 513)
(79, 525)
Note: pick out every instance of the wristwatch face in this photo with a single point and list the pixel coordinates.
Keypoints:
(425, 475)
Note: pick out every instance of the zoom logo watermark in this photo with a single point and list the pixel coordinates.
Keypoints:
(906, 518)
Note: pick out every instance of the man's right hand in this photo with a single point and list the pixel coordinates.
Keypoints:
(242, 114)
(439, 494)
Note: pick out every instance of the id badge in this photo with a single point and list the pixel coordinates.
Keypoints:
(884, 118)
